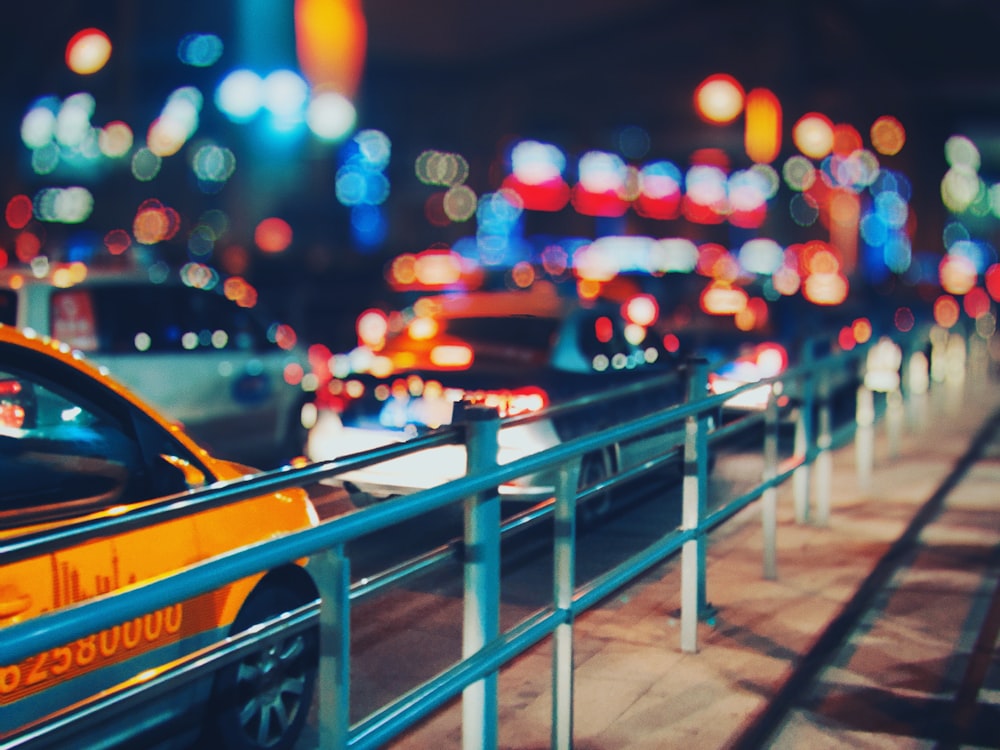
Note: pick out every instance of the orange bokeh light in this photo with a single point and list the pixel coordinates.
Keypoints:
(888, 135)
(846, 140)
(331, 37)
(946, 311)
(721, 298)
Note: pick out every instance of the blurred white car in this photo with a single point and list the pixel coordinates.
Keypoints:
(236, 382)
(519, 351)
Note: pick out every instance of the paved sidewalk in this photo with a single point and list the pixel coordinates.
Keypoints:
(876, 620)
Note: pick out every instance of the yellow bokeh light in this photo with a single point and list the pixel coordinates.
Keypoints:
(422, 329)
(88, 51)
(719, 99)
(813, 135)
(826, 288)
(762, 137)
(720, 298)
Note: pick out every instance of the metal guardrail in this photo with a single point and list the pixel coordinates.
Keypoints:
(485, 647)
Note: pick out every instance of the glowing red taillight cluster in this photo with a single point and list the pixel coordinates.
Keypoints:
(510, 403)
(12, 413)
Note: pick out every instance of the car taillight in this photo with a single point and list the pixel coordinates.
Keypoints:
(510, 403)
(11, 415)
(10, 387)
(451, 356)
(771, 360)
(11, 411)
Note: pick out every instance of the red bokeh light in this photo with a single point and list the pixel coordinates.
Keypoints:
(18, 212)
(273, 235)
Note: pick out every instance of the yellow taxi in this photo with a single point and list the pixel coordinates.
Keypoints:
(74, 445)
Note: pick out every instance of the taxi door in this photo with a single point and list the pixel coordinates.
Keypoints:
(65, 460)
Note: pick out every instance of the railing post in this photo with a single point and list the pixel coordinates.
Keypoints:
(824, 458)
(332, 573)
(482, 579)
(769, 512)
(564, 582)
(694, 604)
(804, 436)
(955, 372)
(864, 439)
(916, 382)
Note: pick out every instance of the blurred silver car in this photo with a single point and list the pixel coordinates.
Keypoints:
(519, 351)
(237, 383)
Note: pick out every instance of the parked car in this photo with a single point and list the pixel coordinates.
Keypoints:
(76, 445)
(519, 351)
(235, 380)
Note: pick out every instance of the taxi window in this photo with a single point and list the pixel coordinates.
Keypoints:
(57, 453)
(8, 307)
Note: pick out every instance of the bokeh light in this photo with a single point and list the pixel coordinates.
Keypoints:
(846, 140)
(117, 241)
(976, 302)
(812, 135)
(459, 203)
(904, 319)
(70, 205)
(115, 139)
(719, 99)
(240, 95)
(888, 135)
(155, 222)
(946, 311)
(18, 212)
(145, 165)
(992, 281)
(331, 116)
(273, 235)
(200, 50)
(957, 274)
(642, 309)
(330, 43)
(762, 133)
(284, 93)
(88, 51)
(441, 168)
(177, 122)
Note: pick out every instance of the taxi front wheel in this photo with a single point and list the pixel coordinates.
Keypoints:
(262, 701)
